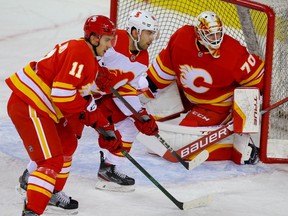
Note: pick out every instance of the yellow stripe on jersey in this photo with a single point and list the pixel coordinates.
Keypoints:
(219, 101)
(40, 190)
(254, 75)
(164, 68)
(255, 82)
(127, 90)
(66, 168)
(39, 94)
(63, 99)
(67, 164)
(63, 85)
(45, 177)
(63, 175)
(31, 73)
(40, 133)
(33, 96)
(158, 78)
(63, 92)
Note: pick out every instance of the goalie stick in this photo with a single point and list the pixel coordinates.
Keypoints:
(213, 137)
(188, 165)
(201, 201)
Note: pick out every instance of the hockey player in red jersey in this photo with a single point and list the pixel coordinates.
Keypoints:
(208, 65)
(45, 94)
(129, 54)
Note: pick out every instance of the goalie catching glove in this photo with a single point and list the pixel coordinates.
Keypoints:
(107, 78)
(147, 124)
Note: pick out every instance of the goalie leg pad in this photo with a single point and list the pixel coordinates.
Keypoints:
(246, 110)
(178, 136)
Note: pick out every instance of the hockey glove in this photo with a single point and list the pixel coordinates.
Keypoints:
(92, 116)
(112, 78)
(110, 139)
(147, 125)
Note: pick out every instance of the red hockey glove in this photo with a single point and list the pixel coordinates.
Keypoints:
(110, 139)
(112, 78)
(93, 116)
(148, 126)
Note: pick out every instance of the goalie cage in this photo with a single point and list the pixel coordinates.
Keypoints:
(260, 25)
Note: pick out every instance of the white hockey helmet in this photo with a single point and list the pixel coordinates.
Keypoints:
(210, 31)
(142, 20)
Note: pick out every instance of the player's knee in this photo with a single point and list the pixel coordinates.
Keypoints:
(47, 171)
(54, 163)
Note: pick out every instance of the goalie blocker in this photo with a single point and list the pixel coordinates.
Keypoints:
(235, 146)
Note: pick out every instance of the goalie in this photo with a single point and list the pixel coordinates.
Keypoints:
(207, 65)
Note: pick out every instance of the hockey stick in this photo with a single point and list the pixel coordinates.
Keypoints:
(213, 137)
(188, 165)
(202, 201)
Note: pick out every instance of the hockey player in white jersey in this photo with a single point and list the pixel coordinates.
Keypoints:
(130, 54)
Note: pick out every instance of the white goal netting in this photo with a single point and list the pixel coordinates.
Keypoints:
(253, 24)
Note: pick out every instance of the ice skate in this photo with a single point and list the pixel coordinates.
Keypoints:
(59, 203)
(22, 186)
(109, 178)
(27, 212)
(254, 156)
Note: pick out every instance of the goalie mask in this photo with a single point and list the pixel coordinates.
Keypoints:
(142, 20)
(210, 32)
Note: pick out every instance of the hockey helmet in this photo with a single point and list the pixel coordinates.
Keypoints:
(142, 20)
(99, 25)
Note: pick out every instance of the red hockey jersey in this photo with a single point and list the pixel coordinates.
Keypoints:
(205, 80)
(56, 84)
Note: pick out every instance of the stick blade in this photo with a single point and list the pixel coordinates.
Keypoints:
(199, 159)
(199, 202)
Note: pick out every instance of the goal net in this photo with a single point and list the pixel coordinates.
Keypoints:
(260, 25)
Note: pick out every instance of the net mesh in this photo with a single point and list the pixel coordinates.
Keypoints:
(249, 26)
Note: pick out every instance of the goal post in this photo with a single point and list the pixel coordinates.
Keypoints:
(260, 25)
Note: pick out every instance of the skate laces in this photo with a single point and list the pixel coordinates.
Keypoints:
(62, 197)
(118, 172)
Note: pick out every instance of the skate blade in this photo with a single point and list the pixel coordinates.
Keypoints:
(112, 186)
(54, 210)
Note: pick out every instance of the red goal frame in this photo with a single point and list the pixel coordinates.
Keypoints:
(268, 67)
